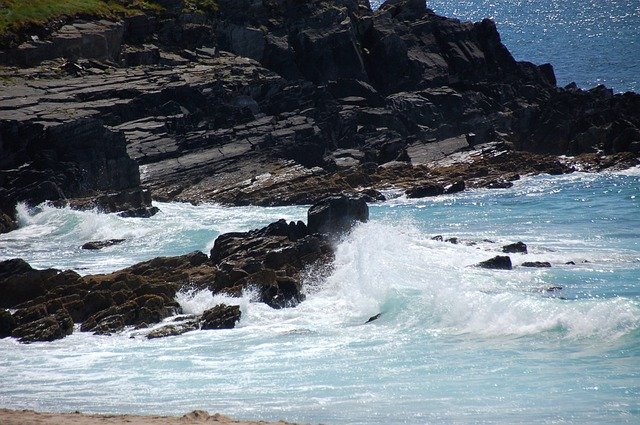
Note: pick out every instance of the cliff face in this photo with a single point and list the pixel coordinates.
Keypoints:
(278, 101)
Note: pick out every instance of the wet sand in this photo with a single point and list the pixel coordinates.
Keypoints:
(29, 417)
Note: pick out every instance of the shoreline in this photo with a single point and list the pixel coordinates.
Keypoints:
(31, 417)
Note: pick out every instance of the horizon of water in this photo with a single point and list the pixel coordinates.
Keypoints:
(454, 343)
(588, 42)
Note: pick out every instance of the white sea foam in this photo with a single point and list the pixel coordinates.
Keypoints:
(434, 285)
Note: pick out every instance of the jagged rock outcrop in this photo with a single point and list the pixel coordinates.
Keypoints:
(277, 255)
(221, 316)
(336, 215)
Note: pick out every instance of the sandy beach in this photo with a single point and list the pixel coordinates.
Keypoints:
(29, 417)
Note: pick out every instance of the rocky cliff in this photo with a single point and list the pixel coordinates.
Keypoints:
(284, 101)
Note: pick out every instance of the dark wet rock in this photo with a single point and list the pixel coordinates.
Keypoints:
(7, 323)
(499, 262)
(19, 282)
(437, 238)
(59, 160)
(541, 264)
(96, 245)
(336, 215)
(221, 316)
(430, 189)
(49, 328)
(270, 260)
(571, 263)
(142, 212)
(7, 224)
(517, 247)
(553, 289)
(173, 330)
(372, 318)
(453, 240)
(455, 187)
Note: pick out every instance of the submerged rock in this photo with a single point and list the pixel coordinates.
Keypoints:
(499, 262)
(96, 245)
(173, 330)
(536, 264)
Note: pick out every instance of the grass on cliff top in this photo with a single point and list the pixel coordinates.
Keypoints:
(18, 14)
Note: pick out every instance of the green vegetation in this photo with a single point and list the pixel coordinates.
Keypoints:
(18, 14)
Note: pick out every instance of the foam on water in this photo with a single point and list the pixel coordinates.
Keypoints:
(52, 237)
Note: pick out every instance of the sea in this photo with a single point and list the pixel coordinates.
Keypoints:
(589, 42)
(454, 343)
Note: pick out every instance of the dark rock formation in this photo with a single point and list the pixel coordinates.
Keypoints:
(515, 248)
(422, 191)
(221, 316)
(269, 259)
(173, 330)
(499, 262)
(536, 264)
(19, 282)
(7, 323)
(48, 328)
(7, 224)
(95, 245)
(336, 215)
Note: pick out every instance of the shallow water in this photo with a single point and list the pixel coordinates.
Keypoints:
(590, 42)
(454, 343)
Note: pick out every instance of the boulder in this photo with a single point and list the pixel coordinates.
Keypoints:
(336, 215)
(500, 262)
(517, 247)
(425, 190)
(221, 316)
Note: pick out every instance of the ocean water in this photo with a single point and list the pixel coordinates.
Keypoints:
(589, 42)
(454, 343)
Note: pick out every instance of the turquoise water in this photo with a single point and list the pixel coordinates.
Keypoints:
(590, 42)
(454, 343)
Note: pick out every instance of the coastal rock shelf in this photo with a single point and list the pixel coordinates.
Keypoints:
(270, 261)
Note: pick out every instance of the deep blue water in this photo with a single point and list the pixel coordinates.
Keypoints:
(454, 344)
(589, 42)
